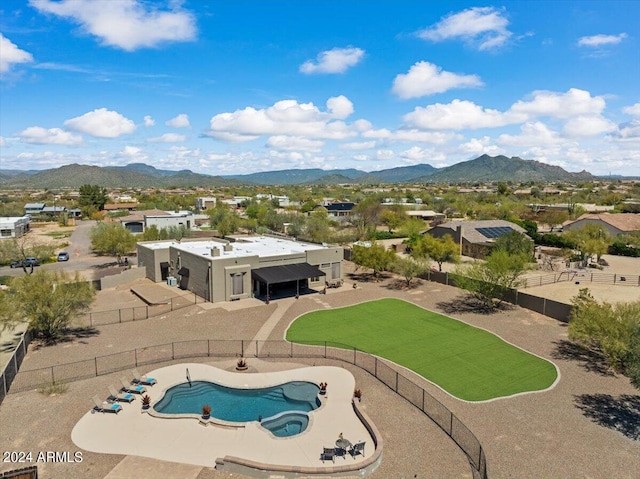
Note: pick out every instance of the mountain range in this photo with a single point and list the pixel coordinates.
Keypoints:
(482, 169)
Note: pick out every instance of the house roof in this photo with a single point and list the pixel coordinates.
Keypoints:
(139, 215)
(287, 272)
(120, 206)
(342, 206)
(34, 206)
(481, 231)
(627, 222)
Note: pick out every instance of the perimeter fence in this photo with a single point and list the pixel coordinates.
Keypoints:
(12, 367)
(382, 370)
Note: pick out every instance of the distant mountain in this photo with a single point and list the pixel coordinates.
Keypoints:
(402, 174)
(294, 176)
(500, 168)
(143, 176)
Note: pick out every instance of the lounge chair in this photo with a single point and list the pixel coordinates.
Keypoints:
(131, 388)
(142, 378)
(357, 448)
(104, 406)
(116, 396)
(328, 453)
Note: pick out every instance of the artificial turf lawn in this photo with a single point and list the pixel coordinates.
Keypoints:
(469, 363)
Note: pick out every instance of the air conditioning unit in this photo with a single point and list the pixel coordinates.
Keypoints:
(172, 281)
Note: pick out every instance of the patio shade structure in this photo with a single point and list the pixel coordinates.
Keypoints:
(286, 273)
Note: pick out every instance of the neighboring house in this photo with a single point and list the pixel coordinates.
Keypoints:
(615, 223)
(206, 202)
(14, 226)
(53, 211)
(283, 201)
(588, 207)
(75, 213)
(120, 207)
(340, 209)
(429, 216)
(33, 208)
(476, 238)
(251, 266)
(139, 221)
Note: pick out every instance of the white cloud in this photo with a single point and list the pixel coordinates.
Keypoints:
(180, 121)
(168, 138)
(340, 107)
(2, 142)
(588, 126)
(336, 60)
(361, 157)
(560, 105)
(385, 155)
(133, 152)
(597, 41)
(148, 121)
(361, 145)
(633, 110)
(286, 117)
(425, 78)
(10, 54)
(629, 131)
(480, 146)
(51, 136)
(101, 123)
(125, 24)
(457, 115)
(531, 134)
(417, 154)
(483, 27)
(284, 142)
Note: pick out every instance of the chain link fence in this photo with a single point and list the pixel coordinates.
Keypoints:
(380, 369)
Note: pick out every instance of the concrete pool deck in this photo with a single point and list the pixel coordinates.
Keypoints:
(187, 440)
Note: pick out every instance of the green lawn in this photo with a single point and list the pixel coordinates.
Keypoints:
(467, 362)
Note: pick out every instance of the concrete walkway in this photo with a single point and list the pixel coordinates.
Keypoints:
(265, 331)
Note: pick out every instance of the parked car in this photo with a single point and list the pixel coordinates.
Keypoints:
(31, 261)
(16, 263)
(63, 256)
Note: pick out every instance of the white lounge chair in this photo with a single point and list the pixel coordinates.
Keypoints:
(131, 388)
(104, 406)
(117, 396)
(142, 378)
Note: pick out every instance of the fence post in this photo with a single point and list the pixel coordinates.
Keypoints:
(173, 356)
(119, 315)
(325, 350)
(242, 348)
(171, 304)
(147, 315)
(446, 278)
(354, 356)
(135, 356)
(90, 319)
(291, 355)
(257, 349)
(53, 378)
(95, 361)
(375, 367)
(614, 277)
(209, 348)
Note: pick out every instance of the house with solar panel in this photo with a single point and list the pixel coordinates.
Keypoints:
(476, 238)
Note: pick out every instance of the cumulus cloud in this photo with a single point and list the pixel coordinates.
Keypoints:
(180, 121)
(633, 110)
(101, 123)
(597, 41)
(480, 146)
(560, 105)
(531, 134)
(416, 154)
(588, 126)
(125, 24)
(358, 145)
(10, 54)
(336, 60)
(284, 142)
(457, 115)
(482, 27)
(148, 121)
(286, 117)
(51, 136)
(168, 138)
(425, 78)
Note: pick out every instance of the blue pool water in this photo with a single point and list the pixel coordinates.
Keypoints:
(287, 424)
(240, 405)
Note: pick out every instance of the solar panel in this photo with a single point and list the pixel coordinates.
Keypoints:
(495, 231)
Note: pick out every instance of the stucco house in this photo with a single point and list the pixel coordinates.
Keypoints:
(249, 266)
(14, 226)
(476, 238)
(615, 223)
(139, 221)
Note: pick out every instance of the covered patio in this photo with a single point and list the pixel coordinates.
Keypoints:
(284, 281)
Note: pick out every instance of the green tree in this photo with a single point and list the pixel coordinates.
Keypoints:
(409, 268)
(611, 329)
(366, 216)
(48, 300)
(589, 240)
(374, 257)
(440, 250)
(393, 218)
(112, 239)
(553, 218)
(489, 281)
(223, 219)
(317, 225)
(92, 198)
(514, 243)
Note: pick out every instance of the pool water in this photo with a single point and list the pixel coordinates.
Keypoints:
(239, 405)
(287, 424)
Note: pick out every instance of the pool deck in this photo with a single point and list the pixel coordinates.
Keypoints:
(188, 440)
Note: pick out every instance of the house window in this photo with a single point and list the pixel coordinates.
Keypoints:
(325, 265)
(237, 283)
(315, 279)
(5, 232)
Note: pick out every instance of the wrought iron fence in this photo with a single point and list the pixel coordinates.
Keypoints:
(401, 384)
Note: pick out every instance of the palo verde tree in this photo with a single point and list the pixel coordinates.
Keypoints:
(49, 301)
(374, 257)
(440, 250)
(409, 268)
(489, 281)
(112, 239)
(591, 239)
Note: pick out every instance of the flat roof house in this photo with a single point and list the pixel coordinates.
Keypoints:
(476, 238)
(251, 266)
(138, 221)
(14, 226)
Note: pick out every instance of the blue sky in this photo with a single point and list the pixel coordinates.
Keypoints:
(232, 87)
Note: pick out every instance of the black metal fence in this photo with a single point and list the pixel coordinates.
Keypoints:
(13, 365)
(385, 372)
(582, 275)
(136, 313)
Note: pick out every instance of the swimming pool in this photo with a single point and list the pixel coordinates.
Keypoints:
(239, 405)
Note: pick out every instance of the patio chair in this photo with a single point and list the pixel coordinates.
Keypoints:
(116, 396)
(142, 378)
(357, 448)
(328, 453)
(104, 406)
(131, 388)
